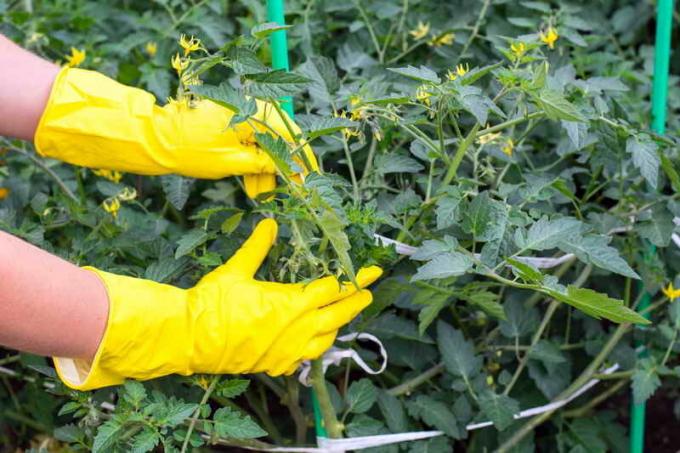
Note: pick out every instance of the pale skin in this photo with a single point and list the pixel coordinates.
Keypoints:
(63, 312)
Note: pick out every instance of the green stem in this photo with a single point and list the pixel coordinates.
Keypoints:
(475, 30)
(458, 157)
(192, 424)
(330, 419)
(407, 387)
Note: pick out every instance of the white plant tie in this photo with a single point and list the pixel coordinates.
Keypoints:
(326, 445)
(335, 355)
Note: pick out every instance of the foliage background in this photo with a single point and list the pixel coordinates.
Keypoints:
(464, 345)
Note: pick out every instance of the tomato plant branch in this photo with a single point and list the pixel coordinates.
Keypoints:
(458, 157)
(192, 424)
(475, 30)
(330, 420)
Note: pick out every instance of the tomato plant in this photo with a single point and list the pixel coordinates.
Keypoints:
(482, 134)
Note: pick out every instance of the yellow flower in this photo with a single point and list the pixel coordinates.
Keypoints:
(444, 40)
(151, 48)
(3, 193)
(460, 71)
(112, 206)
(518, 49)
(76, 57)
(127, 194)
(671, 292)
(179, 63)
(358, 114)
(189, 44)
(549, 37)
(488, 138)
(354, 100)
(111, 175)
(507, 147)
(377, 134)
(423, 95)
(420, 31)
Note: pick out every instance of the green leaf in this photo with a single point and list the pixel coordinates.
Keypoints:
(245, 61)
(274, 84)
(316, 126)
(547, 352)
(547, 234)
(422, 74)
(485, 218)
(231, 388)
(499, 408)
(177, 412)
(107, 435)
(69, 433)
(444, 265)
(261, 31)
(645, 158)
(658, 229)
(556, 106)
(230, 98)
(278, 151)
(477, 73)
(231, 223)
(165, 269)
(361, 396)
(393, 411)
(434, 304)
(525, 271)
(230, 423)
(457, 353)
(447, 210)
(485, 300)
(520, 320)
(597, 305)
(595, 250)
(433, 247)
(333, 228)
(189, 241)
(145, 441)
(134, 392)
(645, 381)
(396, 163)
(324, 79)
(434, 413)
(177, 189)
(670, 171)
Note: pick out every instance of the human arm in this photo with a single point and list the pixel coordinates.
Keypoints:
(49, 306)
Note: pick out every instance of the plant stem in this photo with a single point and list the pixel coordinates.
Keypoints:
(371, 32)
(458, 157)
(50, 172)
(408, 386)
(585, 376)
(475, 30)
(330, 419)
(590, 405)
(510, 123)
(192, 424)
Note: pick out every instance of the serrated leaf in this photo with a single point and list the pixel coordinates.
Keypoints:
(546, 234)
(525, 271)
(444, 265)
(485, 218)
(315, 126)
(520, 320)
(423, 73)
(396, 163)
(165, 269)
(278, 151)
(145, 441)
(556, 106)
(189, 241)
(134, 392)
(447, 210)
(324, 79)
(499, 408)
(261, 31)
(177, 412)
(594, 249)
(231, 388)
(670, 171)
(177, 189)
(434, 413)
(69, 433)
(597, 305)
(274, 84)
(230, 423)
(361, 396)
(333, 228)
(645, 158)
(645, 382)
(393, 411)
(230, 98)
(658, 229)
(457, 353)
(435, 303)
(107, 435)
(231, 223)
(485, 300)
(245, 61)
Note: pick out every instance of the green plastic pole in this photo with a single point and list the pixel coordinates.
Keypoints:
(279, 47)
(662, 55)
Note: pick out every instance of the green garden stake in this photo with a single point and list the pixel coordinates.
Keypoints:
(279, 48)
(662, 51)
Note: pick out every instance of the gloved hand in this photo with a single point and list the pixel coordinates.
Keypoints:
(94, 121)
(228, 323)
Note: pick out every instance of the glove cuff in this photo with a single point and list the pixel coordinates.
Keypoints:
(147, 335)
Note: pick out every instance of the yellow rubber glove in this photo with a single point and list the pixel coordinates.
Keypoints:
(94, 121)
(228, 323)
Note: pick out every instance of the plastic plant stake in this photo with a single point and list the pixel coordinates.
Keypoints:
(662, 51)
(279, 48)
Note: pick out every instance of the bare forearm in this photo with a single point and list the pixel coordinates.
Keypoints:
(25, 84)
(48, 306)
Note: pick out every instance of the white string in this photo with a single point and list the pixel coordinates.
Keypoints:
(335, 355)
